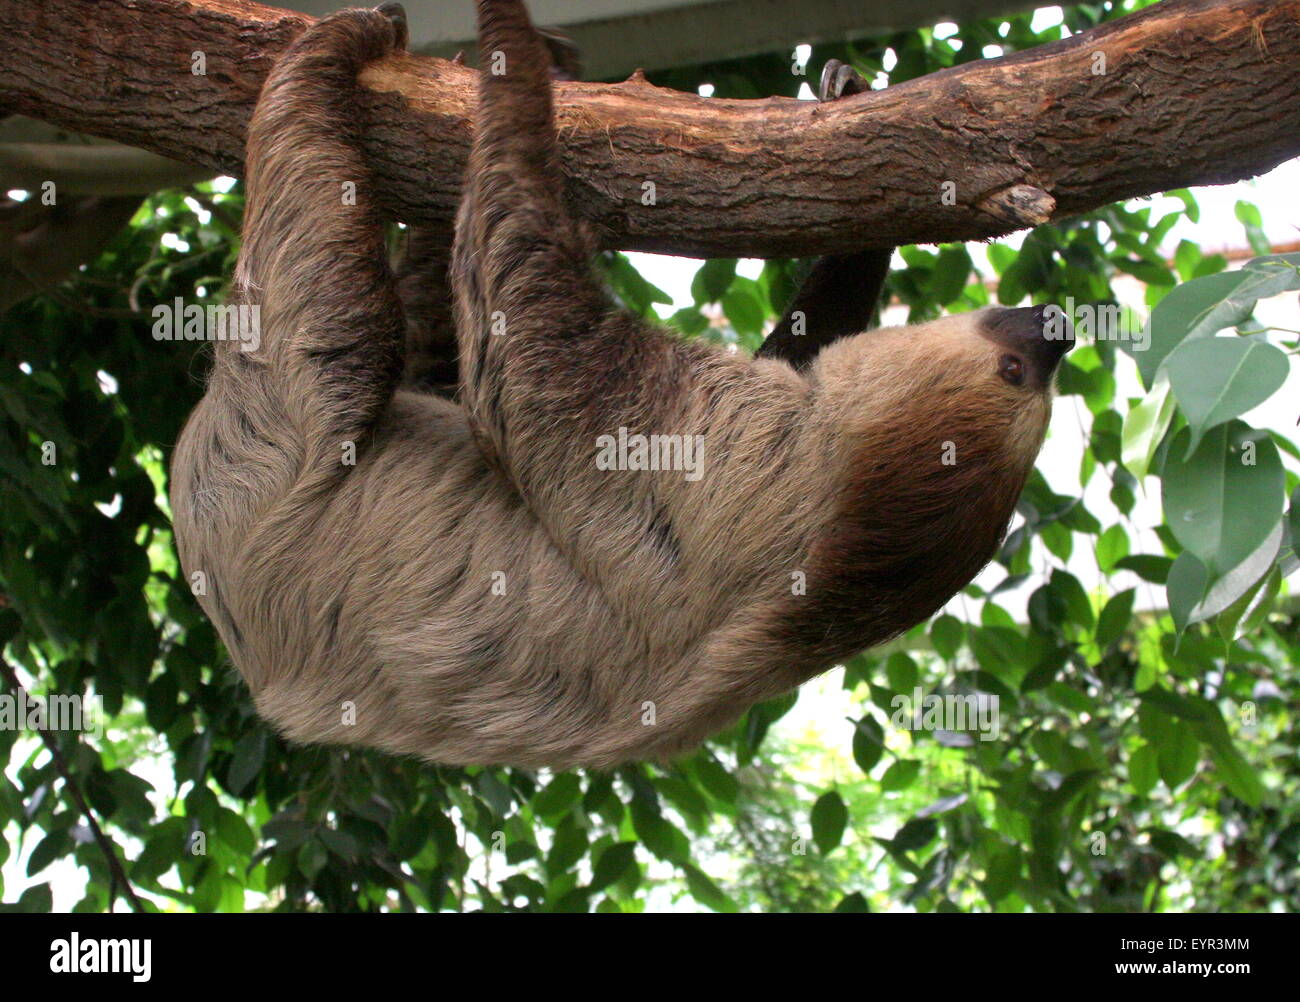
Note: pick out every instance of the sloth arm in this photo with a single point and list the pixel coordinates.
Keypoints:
(839, 298)
(841, 295)
(423, 281)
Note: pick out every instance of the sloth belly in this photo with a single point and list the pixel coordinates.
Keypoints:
(424, 609)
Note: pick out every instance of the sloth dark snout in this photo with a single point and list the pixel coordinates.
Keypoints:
(1041, 335)
(1057, 331)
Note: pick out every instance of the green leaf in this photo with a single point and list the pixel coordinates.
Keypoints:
(407, 836)
(1293, 517)
(1193, 709)
(1147, 566)
(1218, 379)
(946, 633)
(951, 268)
(1144, 427)
(704, 890)
(901, 672)
(1186, 257)
(1112, 547)
(719, 783)
(37, 899)
(659, 835)
(1229, 596)
(1002, 873)
(166, 846)
(494, 792)
(1204, 306)
(1223, 500)
(998, 650)
(611, 864)
(713, 279)
(54, 846)
(1178, 755)
(1190, 208)
(246, 763)
(1249, 216)
(1171, 844)
(636, 293)
(1114, 618)
(744, 307)
(341, 843)
(689, 321)
(1261, 605)
(570, 845)
(1142, 769)
(1188, 580)
(1237, 773)
(312, 858)
(1066, 587)
(829, 818)
(916, 834)
(560, 794)
(900, 775)
(868, 743)
(233, 830)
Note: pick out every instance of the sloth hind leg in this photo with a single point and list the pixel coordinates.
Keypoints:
(314, 255)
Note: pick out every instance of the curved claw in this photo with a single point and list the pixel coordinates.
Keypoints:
(839, 79)
(396, 13)
(566, 57)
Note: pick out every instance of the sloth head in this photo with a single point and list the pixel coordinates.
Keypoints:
(938, 426)
(984, 380)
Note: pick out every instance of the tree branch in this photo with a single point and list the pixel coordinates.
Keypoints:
(1185, 92)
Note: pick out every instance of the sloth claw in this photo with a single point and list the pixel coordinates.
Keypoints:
(396, 13)
(566, 57)
(839, 79)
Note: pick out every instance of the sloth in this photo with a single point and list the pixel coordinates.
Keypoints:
(461, 579)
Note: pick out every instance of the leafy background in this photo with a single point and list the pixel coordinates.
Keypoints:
(1147, 758)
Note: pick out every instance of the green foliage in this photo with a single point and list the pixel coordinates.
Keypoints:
(1140, 759)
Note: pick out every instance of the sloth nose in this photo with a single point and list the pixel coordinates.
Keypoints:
(1058, 332)
(1043, 334)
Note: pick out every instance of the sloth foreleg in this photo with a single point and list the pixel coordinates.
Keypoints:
(841, 295)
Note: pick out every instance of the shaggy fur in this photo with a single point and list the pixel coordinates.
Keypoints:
(641, 611)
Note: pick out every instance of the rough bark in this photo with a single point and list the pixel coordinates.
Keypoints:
(1193, 92)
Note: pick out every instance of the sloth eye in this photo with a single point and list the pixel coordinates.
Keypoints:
(1011, 369)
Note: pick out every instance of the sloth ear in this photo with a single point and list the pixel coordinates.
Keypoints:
(839, 298)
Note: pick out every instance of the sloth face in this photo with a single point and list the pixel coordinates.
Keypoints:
(1015, 351)
(983, 381)
(1032, 341)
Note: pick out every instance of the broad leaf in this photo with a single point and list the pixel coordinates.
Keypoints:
(1223, 500)
(1218, 379)
(1205, 306)
(829, 818)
